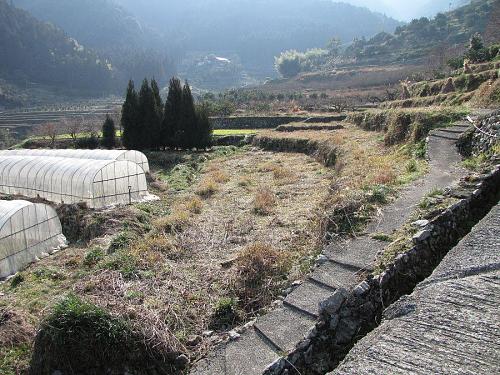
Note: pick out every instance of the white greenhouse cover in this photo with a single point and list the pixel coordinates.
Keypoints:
(28, 231)
(130, 155)
(99, 183)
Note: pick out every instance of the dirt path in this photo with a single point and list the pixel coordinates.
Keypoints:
(280, 330)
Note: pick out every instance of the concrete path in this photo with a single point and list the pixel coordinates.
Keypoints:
(451, 322)
(280, 330)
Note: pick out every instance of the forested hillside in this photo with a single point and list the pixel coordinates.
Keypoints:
(423, 37)
(257, 30)
(135, 50)
(33, 52)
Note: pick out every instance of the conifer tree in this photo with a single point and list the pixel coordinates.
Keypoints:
(146, 116)
(170, 130)
(108, 133)
(188, 119)
(156, 136)
(129, 118)
(204, 126)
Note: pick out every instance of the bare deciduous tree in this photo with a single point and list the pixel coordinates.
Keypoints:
(48, 131)
(72, 126)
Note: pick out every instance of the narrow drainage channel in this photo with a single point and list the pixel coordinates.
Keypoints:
(346, 317)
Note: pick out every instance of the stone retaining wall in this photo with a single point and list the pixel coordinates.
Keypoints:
(322, 151)
(347, 317)
(268, 122)
(474, 142)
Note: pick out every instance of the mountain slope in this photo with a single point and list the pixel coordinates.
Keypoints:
(257, 30)
(36, 52)
(424, 37)
(135, 50)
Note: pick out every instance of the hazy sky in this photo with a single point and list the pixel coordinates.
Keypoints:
(407, 9)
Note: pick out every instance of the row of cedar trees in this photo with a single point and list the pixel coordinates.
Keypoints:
(148, 123)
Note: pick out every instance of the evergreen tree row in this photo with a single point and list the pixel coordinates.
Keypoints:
(148, 123)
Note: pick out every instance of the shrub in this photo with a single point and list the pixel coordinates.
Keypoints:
(121, 241)
(378, 194)
(91, 142)
(456, 62)
(93, 257)
(16, 280)
(460, 82)
(81, 338)
(264, 201)
(226, 314)
(412, 166)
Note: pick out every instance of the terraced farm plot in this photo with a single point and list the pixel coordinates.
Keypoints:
(233, 229)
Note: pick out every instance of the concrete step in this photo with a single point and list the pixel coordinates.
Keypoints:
(284, 327)
(453, 130)
(248, 355)
(307, 296)
(336, 275)
(446, 135)
(357, 253)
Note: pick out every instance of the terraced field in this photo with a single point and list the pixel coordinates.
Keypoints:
(22, 121)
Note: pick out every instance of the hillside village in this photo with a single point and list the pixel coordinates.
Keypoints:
(338, 215)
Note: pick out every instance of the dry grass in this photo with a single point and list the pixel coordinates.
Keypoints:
(260, 273)
(194, 205)
(367, 172)
(201, 253)
(207, 187)
(244, 181)
(219, 176)
(155, 247)
(264, 201)
(15, 329)
(175, 222)
(281, 173)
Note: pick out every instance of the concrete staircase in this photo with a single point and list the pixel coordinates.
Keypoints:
(451, 322)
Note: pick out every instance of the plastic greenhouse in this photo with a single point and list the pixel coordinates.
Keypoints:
(27, 231)
(99, 183)
(130, 155)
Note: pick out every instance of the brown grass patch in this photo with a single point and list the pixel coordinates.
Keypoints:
(384, 177)
(264, 201)
(175, 222)
(14, 328)
(244, 181)
(152, 249)
(207, 187)
(194, 205)
(260, 274)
